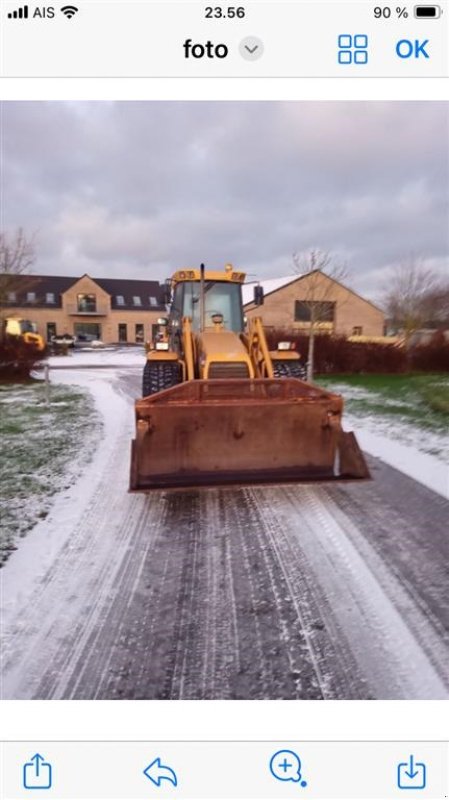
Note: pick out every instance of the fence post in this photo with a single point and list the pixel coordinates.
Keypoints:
(47, 384)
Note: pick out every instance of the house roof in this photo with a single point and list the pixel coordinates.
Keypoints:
(121, 287)
(273, 285)
(270, 285)
(150, 292)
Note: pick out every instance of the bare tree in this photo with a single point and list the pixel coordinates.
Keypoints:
(17, 255)
(406, 301)
(436, 306)
(316, 267)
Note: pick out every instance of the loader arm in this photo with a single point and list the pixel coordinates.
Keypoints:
(258, 349)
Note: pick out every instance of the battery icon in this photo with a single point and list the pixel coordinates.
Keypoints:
(427, 12)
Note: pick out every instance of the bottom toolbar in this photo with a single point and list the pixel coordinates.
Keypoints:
(222, 770)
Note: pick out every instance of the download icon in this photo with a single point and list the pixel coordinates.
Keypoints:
(411, 774)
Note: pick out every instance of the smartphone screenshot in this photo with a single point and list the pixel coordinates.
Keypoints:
(224, 397)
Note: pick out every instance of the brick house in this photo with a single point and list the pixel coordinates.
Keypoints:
(111, 309)
(342, 311)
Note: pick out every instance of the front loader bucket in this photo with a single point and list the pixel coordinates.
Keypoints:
(218, 432)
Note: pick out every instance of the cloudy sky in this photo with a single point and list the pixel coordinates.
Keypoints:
(139, 189)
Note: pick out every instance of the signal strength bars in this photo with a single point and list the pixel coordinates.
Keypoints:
(20, 13)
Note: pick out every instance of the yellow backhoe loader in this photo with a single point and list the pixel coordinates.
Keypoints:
(220, 408)
(23, 329)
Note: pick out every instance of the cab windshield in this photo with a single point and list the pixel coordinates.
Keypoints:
(220, 297)
(27, 327)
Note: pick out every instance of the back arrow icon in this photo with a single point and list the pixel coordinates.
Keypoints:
(158, 772)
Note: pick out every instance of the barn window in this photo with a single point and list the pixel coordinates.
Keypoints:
(317, 310)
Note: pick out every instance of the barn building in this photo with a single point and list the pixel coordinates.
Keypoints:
(290, 302)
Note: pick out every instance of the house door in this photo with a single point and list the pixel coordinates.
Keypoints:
(51, 330)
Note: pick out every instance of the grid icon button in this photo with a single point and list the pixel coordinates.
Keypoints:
(353, 49)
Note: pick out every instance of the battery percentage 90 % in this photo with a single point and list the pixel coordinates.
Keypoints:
(385, 12)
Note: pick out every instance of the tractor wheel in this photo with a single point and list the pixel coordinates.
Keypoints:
(159, 375)
(289, 369)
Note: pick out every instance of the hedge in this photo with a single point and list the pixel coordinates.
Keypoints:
(335, 354)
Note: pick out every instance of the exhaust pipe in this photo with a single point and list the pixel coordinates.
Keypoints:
(202, 299)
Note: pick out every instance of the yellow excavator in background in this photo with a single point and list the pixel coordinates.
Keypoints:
(220, 408)
(23, 329)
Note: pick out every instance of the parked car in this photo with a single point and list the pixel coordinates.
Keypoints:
(63, 340)
(88, 340)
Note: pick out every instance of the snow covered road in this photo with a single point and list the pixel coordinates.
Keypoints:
(311, 592)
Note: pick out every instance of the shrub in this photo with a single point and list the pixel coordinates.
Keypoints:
(336, 355)
(17, 359)
(432, 357)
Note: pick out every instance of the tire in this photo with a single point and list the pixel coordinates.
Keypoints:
(160, 375)
(289, 369)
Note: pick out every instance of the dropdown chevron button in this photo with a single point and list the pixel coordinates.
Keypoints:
(251, 48)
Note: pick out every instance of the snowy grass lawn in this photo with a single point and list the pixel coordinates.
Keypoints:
(412, 409)
(44, 446)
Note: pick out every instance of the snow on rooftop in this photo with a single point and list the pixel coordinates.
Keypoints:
(269, 285)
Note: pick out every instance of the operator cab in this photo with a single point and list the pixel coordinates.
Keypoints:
(17, 327)
(220, 297)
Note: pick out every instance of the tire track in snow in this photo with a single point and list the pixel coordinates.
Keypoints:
(388, 653)
(56, 627)
(336, 672)
(238, 593)
(408, 531)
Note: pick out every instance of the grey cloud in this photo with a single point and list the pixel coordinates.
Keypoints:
(139, 188)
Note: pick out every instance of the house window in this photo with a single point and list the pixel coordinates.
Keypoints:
(153, 301)
(122, 332)
(31, 297)
(137, 300)
(49, 297)
(87, 303)
(12, 297)
(357, 330)
(87, 331)
(139, 333)
(316, 310)
(120, 300)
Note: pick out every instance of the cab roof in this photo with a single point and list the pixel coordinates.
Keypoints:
(228, 274)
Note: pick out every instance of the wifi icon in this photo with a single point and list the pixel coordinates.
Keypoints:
(69, 11)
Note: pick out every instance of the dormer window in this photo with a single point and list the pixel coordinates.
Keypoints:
(87, 303)
(12, 297)
(50, 297)
(31, 297)
(137, 300)
(120, 300)
(153, 301)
